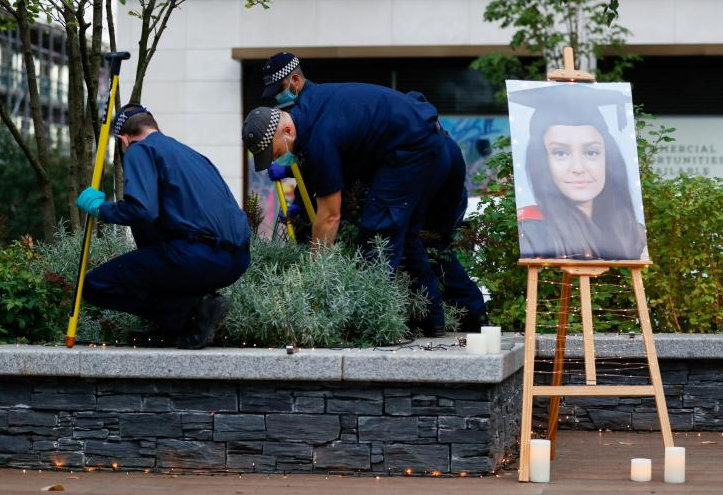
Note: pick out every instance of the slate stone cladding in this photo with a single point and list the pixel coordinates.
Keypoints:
(693, 391)
(184, 425)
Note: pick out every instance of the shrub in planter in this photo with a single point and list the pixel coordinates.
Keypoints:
(61, 258)
(287, 295)
(684, 219)
(332, 298)
(31, 303)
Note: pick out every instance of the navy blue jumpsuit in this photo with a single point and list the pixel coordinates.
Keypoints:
(389, 141)
(191, 235)
(444, 218)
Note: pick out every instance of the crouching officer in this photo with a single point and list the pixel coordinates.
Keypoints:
(191, 235)
(352, 132)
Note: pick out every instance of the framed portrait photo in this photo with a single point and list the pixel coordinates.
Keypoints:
(576, 171)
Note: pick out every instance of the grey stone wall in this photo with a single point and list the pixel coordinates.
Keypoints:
(693, 390)
(257, 426)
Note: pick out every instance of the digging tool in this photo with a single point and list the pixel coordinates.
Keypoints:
(115, 59)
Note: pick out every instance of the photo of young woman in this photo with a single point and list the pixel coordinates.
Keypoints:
(573, 183)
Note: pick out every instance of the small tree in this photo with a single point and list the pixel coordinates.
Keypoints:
(21, 15)
(544, 28)
(82, 21)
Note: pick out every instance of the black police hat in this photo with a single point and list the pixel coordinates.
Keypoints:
(123, 114)
(258, 134)
(276, 69)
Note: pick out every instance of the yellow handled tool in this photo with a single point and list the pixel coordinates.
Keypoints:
(284, 208)
(115, 59)
(304, 193)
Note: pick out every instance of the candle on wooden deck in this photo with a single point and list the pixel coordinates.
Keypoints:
(674, 465)
(477, 343)
(540, 461)
(641, 469)
(494, 339)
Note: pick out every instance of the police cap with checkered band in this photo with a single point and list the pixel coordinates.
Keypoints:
(258, 133)
(277, 67)
(123, 114)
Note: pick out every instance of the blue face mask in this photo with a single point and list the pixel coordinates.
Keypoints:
(286, 96)
(288, 158)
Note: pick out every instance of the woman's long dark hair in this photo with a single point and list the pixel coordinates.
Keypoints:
(612, 233)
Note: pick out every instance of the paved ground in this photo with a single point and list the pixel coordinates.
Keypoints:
(587, 463)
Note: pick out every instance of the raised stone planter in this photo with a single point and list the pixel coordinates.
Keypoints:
(253, 410)
(692, 371)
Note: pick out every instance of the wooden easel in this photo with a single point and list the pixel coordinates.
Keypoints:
(584, 270)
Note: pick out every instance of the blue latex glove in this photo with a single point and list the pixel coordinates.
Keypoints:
(291, 212)
(90, 200)
(278, 172)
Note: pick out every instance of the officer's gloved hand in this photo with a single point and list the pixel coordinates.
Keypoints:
(278, 172)
(90, 200)
(291, 212)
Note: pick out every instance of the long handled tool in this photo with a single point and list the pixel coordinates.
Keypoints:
(304, 197)
(284, 208)
(304, 193)
(115, 59)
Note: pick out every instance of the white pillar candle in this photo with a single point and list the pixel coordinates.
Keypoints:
(494, 339)
(540, 461)
(477, 343)
(674, 465)
(641, 469)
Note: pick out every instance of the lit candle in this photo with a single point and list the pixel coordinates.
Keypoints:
(477, 343)
(674, 465)
(494, 339)
(641, 470)
(540, 461)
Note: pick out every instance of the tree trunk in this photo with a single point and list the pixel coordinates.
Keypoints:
(146, 16)
(46, 198)
(75, 115)
(117, 165)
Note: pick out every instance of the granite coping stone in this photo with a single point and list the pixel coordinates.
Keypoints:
(668, 345)
(449, 363)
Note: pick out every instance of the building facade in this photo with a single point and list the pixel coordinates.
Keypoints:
(49, 46)
(205, 75)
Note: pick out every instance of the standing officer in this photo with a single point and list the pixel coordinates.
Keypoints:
(191, 235)
(283, 79)
(389, 141)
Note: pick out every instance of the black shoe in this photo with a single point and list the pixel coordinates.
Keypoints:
(204, 322)
(434, 332)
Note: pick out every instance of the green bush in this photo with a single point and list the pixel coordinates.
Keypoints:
(61, 258)
(684, 220)
(31, 303)
(287, 295)
(332, 298)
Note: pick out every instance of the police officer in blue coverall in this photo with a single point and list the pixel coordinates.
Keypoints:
(285, 82)
(389, 141)
(191, 235)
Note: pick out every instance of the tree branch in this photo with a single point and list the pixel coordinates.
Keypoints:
(8, 121)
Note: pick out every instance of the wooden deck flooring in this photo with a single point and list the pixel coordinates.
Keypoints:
(587, 463)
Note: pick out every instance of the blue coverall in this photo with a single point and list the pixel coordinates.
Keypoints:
(191, 235)
(389, 141)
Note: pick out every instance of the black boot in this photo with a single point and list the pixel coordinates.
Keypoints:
(204, 322)
(471, 323)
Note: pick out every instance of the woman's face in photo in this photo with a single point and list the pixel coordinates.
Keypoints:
(576, 157)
